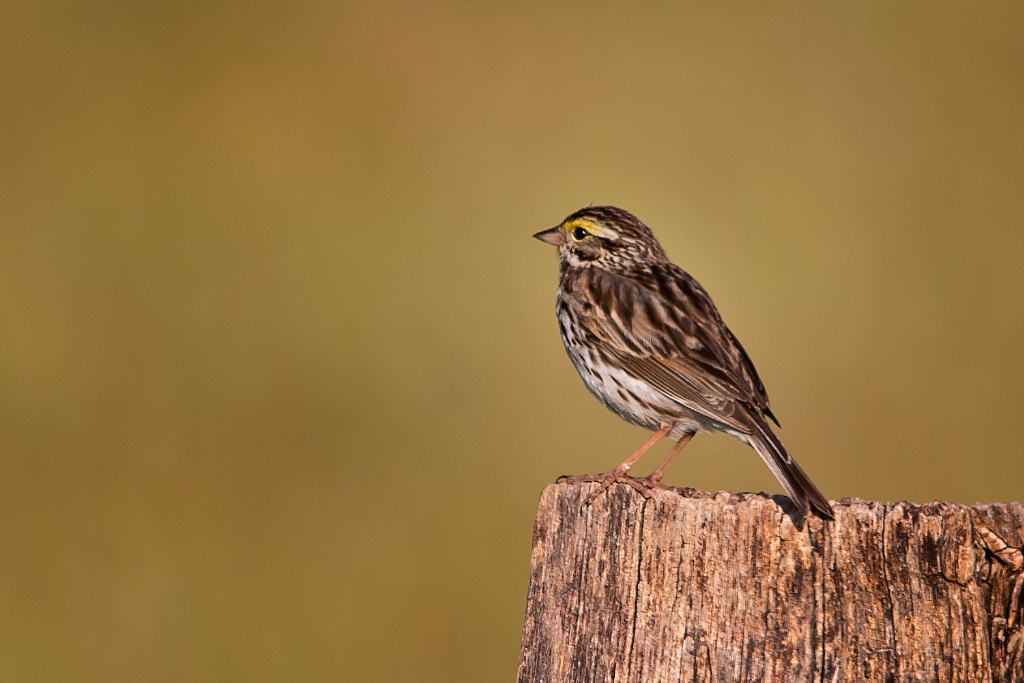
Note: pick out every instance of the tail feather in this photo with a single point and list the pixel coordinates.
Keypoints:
(798, 485)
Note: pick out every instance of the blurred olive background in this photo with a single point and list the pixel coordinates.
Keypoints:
(280, 377)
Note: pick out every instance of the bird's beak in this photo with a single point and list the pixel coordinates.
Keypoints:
(553, 236)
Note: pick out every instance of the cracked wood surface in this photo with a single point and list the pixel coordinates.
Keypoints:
(686, 586)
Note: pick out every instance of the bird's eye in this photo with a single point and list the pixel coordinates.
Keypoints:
(579, 233)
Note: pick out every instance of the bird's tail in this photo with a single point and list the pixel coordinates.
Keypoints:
(798, 485)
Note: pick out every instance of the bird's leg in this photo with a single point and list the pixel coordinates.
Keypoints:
(623, 468)
(619, 474)
(653, 480)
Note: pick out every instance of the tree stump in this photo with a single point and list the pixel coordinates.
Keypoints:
(686, 586)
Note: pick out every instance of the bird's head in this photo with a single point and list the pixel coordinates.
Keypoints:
(603, 237)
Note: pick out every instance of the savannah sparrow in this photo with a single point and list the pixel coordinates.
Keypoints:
(650, 344)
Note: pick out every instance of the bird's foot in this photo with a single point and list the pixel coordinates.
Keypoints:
(652, 483)
(616, 476)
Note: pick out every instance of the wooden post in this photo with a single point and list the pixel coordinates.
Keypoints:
(686, 586)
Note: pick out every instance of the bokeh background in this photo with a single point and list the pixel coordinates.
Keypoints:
(280, 378)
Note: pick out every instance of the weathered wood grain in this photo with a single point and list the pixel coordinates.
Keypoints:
(686, 586)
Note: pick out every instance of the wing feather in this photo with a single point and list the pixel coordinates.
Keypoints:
(665, 330)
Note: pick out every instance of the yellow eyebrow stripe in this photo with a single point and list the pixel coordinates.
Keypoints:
(588, 225)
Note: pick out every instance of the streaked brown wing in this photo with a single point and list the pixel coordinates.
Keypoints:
(665, 330)
(681, 291)
(680, 387)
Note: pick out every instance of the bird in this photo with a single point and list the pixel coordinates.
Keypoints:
(651, 345)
